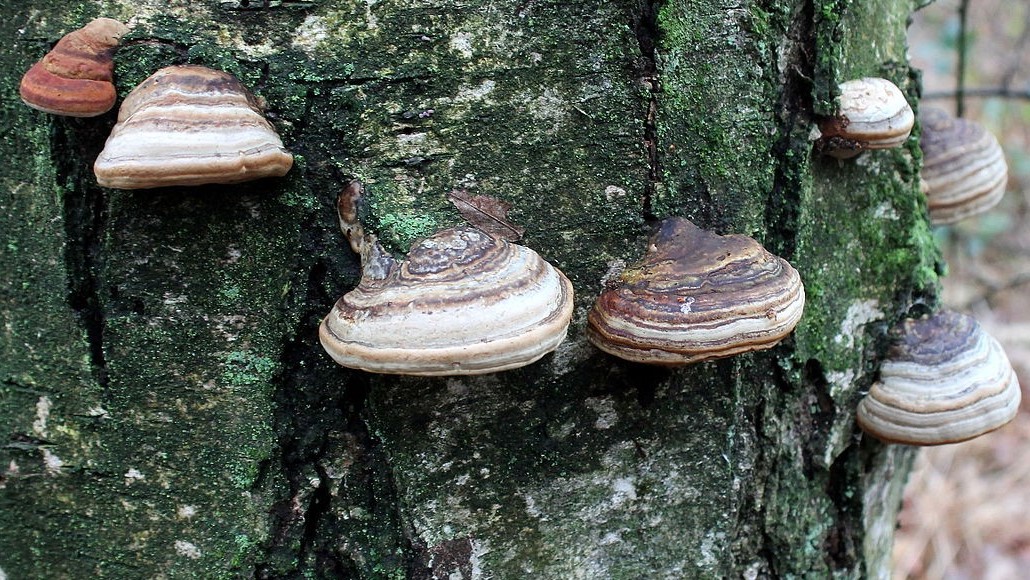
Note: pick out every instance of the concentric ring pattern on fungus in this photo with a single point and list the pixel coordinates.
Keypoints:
(945, 380)
(461, 303)
(964, 170)
(190, 125)
(696, 296)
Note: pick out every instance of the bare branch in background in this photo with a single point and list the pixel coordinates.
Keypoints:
(960, 74)
(981, 93)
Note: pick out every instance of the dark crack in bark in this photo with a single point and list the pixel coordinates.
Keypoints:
(790, 153)
(306, 415)
(338, 514)
(180, 49)
(254, 5)
(645, 26)
(843, 552)
(792, 147)
(85, 218)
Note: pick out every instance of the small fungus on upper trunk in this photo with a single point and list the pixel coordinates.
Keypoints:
(190, 125)
(76, 78)
(873, 114)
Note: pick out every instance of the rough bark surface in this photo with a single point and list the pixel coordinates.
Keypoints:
(166, 409)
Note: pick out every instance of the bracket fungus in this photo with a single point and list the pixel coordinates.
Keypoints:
(945, 380)
(76, 78)
(873, 114)
(696, 296)
(462, 302)
(190, 125)
(964, 167)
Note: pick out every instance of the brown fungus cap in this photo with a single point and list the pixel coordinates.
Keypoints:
(873, 114)
(190, 125)
(963, 166)
(696, 296)
(461, 303)
(945, 380)
(76, 78)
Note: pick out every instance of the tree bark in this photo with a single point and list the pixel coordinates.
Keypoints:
(168, 411)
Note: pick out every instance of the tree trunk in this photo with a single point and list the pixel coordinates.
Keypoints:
(167, 408)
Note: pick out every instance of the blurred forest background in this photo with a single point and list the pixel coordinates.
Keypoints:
(967, 506)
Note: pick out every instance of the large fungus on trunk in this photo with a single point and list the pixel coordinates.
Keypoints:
(696, 296)
(190, 125)
(462, 302)
(945, 380)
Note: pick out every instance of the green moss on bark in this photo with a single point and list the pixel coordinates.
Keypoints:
(716, 116)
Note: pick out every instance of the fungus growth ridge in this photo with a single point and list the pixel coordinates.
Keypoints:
(190, 125)
(461, 303)
(695, 296)
(76, 78)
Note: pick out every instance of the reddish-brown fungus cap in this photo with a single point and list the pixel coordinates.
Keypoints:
(76, 78)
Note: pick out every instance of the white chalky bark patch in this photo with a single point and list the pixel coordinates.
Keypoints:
(462, 44)
(187, 549)
(39, 427)
(51, 462)
(133, 475)
(859, 313)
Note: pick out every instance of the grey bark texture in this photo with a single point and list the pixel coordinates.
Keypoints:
(167, 411)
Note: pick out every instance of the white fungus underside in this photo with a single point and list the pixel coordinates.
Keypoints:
(155, 147)
(211, 141)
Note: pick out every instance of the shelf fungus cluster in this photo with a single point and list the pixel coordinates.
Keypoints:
(873, 114)
(190, 125)
(964, 171)
(76, 78)
(945, 380)
(695, 296)
(462, 302)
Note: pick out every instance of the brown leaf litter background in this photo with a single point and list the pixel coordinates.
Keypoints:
(967, 507)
